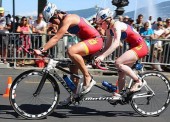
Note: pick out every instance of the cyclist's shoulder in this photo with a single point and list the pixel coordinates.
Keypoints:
(71, 18)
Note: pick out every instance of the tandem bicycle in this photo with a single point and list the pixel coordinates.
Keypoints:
(35, 94)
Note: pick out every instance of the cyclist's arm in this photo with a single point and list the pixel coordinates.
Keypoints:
(115, 41)
(63, 29)
(107, 42)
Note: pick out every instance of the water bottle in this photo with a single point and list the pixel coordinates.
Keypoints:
(109, 86)
(69, 82)
(138, 66)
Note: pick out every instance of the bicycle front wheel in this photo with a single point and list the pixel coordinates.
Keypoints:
(26, 103)
(154, 98)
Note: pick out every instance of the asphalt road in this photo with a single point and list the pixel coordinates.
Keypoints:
(87, 111)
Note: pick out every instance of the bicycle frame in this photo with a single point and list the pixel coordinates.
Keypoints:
(53, 64)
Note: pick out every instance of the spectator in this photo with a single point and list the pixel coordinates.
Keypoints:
(39, 27)
(31, 21)
(8, 22)
(4, 38)
(121, 18)
(167, 28)
(24, 30)
(157, 50)
(154, 25)
(126, 19)
(139, 22)
(52, 28)
(16, 24)
(147, 33)
(150, 21)
(131, 22)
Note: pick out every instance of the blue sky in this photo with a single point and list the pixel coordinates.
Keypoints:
(29, 7)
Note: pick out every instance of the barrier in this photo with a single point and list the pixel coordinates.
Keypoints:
(59, 51)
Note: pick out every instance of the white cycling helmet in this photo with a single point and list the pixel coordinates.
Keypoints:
(49, 11)
(103, 15)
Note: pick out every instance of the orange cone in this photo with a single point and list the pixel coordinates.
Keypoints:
(8, 87)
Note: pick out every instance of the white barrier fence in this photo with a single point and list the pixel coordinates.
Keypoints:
(10, 49)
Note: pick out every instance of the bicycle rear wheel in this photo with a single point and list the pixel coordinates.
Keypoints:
(23, 100)
(154, 99)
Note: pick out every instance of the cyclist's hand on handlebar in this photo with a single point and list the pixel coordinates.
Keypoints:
(99, 59)
(40, 53)
(37, 52)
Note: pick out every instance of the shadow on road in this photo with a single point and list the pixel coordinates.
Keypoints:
(71, 111)
(79, 111)
(9, 112)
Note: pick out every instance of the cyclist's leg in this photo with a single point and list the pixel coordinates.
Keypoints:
(84, 48)
(121, 85)
(129, 57)
(75, 53)
(122, 78)
(141, 50)
(74, 69)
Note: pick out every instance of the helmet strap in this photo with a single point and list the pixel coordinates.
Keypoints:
(108, 23)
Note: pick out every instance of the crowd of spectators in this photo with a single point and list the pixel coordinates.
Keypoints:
(148, 29)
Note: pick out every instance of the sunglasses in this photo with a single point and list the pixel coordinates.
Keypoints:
(159, 25)
(52, 19)
(24, 20)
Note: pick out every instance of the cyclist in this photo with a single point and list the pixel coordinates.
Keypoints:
(91, 40)
(116, 31)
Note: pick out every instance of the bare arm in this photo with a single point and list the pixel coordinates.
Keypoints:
(108, 42)
(115, 41)
(53, 41)
(18, 29)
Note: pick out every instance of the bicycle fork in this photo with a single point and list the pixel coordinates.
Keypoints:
(41, 84)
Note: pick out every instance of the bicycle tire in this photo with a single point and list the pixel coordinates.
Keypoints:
(152, 106)
(21, 95)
